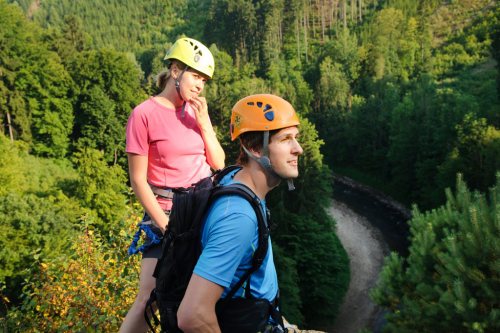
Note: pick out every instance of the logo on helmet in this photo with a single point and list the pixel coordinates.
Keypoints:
(237, 121)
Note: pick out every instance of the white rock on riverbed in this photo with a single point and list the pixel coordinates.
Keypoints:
(366, 250)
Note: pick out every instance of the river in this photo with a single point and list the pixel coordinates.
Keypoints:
(370, 225)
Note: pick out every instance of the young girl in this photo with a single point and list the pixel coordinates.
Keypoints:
(170, 144)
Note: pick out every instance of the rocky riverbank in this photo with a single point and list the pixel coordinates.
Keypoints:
(375, 194)
(366, 249)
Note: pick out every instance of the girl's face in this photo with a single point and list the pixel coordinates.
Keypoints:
(192, 83)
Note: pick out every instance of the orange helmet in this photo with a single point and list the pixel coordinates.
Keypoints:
(262, 112)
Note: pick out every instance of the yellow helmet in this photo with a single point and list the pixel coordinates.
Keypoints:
(194, 54)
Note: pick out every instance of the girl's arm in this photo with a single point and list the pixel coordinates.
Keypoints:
(138, 166)
(215, 153)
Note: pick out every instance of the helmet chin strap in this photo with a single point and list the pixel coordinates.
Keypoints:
(266, 162)
(178, 89)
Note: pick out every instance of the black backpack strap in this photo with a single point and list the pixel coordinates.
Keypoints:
(221, 173)
(276, 311)
(149, 304)
(167, 241)
(262, 247)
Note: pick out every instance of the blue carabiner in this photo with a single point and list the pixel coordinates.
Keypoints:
(149, 233)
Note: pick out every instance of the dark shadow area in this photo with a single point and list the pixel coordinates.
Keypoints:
(392, 224)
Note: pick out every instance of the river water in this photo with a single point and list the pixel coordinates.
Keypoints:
(369, 229)
(391, 223)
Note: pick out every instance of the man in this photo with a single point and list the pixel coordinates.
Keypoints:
(267, 127)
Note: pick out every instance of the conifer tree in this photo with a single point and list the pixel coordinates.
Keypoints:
(495, 46)
(108, 90)
(100, 187)
(450, 281)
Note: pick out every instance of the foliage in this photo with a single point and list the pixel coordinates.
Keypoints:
(305, 234)
(449, 280)
(123, 25)
(89, 290)
(108, 90)
(33, 86)
(100, 187)
(37, 211)
(403, 93)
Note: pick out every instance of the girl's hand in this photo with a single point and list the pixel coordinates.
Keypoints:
(200, 108)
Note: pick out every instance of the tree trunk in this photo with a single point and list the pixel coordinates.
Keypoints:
(281, 35)
(10, 127)
(330, 16)
(314, 26)
(318, 6)
(298, 37)
(336, 19)
(305, 33)
(345, 14)
(116, 157)
(352, 10)
(422, 48)
(361, 4)
(323, 19)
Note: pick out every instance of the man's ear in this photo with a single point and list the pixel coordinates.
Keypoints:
(257, 153)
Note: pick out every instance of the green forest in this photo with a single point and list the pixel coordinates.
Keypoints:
(400, 95)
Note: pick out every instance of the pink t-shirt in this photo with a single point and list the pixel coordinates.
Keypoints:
(173, 144)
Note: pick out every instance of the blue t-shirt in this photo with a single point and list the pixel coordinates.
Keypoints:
(229, 239)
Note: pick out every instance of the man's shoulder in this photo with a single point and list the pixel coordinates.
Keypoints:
(231, 204)
(231, 217)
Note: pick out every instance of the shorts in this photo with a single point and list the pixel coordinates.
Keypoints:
(154, 251)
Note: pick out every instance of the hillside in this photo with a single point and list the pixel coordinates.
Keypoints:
(397, 94)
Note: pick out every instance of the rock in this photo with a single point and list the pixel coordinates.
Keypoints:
(297, 329)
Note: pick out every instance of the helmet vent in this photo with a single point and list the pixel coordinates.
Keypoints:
(267, 107)
(197, 58)
(196, 47)
(269, 115)
(191, 43)
(251, 103)
(259, 104)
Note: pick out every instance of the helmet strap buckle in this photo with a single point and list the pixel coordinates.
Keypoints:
(178, 88)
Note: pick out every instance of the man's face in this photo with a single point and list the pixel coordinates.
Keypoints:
(284, 151)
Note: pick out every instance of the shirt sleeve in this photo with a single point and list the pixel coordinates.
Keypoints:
(229, 238)
(137, 133)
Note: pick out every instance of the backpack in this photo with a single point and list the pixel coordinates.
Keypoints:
(182, 248)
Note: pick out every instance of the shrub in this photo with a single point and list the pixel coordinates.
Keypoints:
(450, 281)
(90, 290)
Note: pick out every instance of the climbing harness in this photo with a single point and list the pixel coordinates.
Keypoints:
(146, 223)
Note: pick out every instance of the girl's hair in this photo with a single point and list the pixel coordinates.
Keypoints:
(162, 77)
